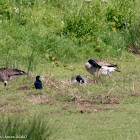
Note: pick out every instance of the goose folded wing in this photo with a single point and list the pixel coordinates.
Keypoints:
(15, 72)
(103, 63)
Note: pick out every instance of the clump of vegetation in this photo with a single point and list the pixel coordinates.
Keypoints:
(67, 30)
(18, 128)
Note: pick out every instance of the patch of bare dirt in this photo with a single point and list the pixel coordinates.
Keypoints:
(102, 96)
(85, 102)
(40, 99)
(84, 111)
(110, 101)
(87, 106)
(25, 87)
(3, 104)
(38, 93)
(78, 101)
(135, 94)
(134, 48)
(12, 98)
(12, 110)
(54, 112)
(93, 110)
(17, 110)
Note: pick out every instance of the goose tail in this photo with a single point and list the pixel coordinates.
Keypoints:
(118, 70)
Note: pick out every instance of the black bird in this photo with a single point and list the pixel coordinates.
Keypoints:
(38, 83)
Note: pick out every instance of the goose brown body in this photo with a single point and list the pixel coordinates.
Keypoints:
(7, 74)
(104, 63)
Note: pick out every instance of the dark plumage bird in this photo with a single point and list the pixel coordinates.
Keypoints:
(7, 74)
(38, 83)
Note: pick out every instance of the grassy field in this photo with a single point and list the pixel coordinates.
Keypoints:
(54, 39)
(66, 30)
(107, 109)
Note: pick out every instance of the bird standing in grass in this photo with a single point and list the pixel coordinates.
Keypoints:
(7, 74)
(97, 67)
(38, 83)
(92, 67)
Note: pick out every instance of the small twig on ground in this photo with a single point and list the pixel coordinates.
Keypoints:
(109, 93)
(53, 84)
(133, 88)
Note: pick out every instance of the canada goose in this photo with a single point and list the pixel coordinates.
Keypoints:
(38, 83)
(7, 74)
(100, 67)
(78, 79)
(92, 67)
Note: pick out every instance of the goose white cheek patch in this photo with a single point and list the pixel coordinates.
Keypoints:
(88, 65)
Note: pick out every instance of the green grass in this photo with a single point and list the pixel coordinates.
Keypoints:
(19, 127)
(53, 39)
(103, 110)
(90, 29)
